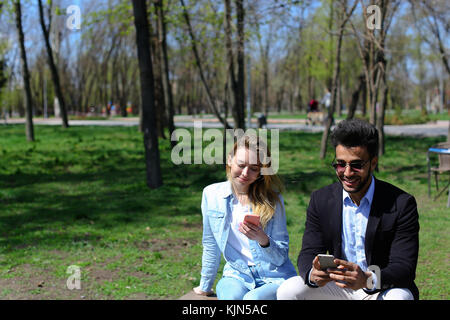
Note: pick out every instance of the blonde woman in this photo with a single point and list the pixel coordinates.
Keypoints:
(256, 256)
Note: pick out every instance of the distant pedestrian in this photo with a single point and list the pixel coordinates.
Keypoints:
(313, 106)
(326, 99)
(262, 121)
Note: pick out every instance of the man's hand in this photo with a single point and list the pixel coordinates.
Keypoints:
(351, 274)
(319, 277)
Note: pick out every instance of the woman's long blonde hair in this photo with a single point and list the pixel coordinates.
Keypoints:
(264, 192)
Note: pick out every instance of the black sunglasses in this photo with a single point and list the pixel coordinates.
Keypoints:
(354, 165)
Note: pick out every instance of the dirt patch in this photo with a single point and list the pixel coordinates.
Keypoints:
(45, 281)
(100, 274)
(164, 244)
(37, 284)
(32, 283)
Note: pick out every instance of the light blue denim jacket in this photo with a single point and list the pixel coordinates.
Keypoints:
(272, 263)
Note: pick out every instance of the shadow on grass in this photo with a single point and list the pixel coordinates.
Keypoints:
(66, 208)
(307, 182)
(406, 169)
(82, 184)
(88, 185)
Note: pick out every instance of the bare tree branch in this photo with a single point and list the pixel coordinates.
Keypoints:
(211, 99)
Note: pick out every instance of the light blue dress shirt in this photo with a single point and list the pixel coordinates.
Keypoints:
(354, 225)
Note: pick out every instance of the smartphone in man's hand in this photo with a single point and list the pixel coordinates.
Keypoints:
(326, 261)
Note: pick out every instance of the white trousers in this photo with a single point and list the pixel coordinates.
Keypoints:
(296, 289)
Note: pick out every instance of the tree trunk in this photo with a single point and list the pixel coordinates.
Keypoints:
(237, 81)
(240, 104)
(3, 79)
(338, 98)
(373, 94)
(160, 102)
(266, 87)
(337, 65)
(355, 98)
(380, 120)
(53, 70)
(448, 133)
(364, 99)
(387, 9)
(225, 111)
(25, 73)
(330, 118)
(152, 161)
(165, 66)
(437, 34)
(279, 99)
(123, 91)
(299, 101)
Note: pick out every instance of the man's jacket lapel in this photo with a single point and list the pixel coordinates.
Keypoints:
(376, 211)
(335, 214)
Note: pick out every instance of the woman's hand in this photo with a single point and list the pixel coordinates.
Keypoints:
(200, 292)
(254, 233)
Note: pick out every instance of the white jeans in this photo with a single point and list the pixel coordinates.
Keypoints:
(295, 289)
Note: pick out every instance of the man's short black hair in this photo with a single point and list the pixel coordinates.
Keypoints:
(356, 133)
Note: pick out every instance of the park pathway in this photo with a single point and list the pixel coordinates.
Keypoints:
(431, 129)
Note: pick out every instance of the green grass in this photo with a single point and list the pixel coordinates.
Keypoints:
(393, 117)
(79, 197)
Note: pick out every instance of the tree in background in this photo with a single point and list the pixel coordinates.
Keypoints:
(154, 177)
(372, 50)
(388, 10)
(212, 100)
(237, 80)
(51, 61)
(433, 15)
(162, 39)
(25, 73)
(292, 46)
(3, 79)
(344, 16)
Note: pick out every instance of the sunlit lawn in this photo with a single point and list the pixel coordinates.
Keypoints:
(79, 197)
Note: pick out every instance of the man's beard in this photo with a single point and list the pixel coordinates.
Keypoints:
(360, 186)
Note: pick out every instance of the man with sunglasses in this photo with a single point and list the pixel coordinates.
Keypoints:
(370, 226)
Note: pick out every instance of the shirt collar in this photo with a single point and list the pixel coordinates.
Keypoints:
(226, 190)
(368, 195)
